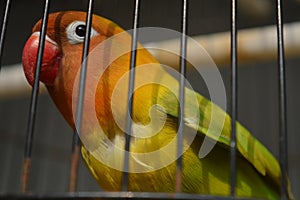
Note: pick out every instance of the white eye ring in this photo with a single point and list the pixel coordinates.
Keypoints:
(76, 32)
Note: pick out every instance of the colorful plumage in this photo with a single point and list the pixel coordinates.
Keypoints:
(258, 172)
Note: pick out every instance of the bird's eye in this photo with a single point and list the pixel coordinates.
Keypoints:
(80, 30)
(76, 32)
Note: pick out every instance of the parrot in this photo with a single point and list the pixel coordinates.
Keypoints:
(258, 173)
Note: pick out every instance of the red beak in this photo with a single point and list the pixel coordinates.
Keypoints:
(50, 63)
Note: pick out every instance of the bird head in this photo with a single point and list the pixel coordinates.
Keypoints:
(64, 37)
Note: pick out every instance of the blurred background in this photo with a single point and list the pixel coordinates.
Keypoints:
(208, 19)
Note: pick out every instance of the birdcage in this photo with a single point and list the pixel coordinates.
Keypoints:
(254, 45)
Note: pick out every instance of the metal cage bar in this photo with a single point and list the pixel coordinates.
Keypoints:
(182, 69)
(123, 195)
(233, 97)
(33, 102)
(80, 102)
(130, 97)
(3, 29)
(74, 164)
(282, 103)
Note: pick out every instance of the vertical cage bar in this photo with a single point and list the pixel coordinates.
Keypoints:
(3, 29)
(130, 91)
(80, 102)
(183, 49)
(74, 162)
(282, 102)
(33, 102)
(233, 96)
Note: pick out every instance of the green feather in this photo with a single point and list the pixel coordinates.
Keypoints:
(247, 145)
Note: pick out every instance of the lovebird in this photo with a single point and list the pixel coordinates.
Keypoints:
(153, 145)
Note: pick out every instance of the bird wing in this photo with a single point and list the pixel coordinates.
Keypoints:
(215, 123)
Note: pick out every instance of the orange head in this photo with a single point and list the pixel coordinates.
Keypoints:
(65, 35)
(63, 53)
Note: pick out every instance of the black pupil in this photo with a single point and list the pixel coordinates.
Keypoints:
(80, 30)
